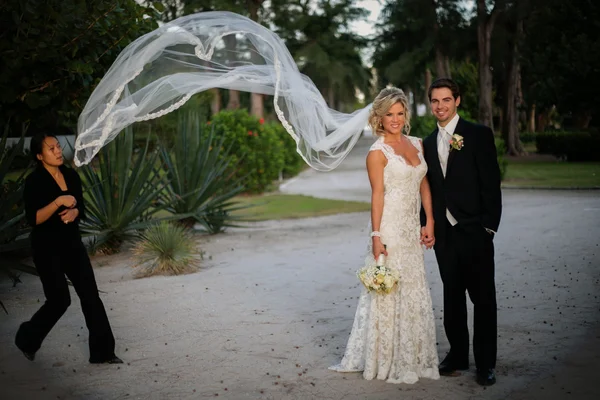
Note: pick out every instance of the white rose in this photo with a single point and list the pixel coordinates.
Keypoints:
(388, 281)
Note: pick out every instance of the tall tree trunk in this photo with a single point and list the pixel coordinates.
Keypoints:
(501, 122)
(522, 106)
(412, 104)
(582, 119)
(514, 146)
(440, 64)
(234, 100)
(543, 120)
(331, 96)
(257, 107)
(215, 104)
(234, 95)
(428, 81)
(531, 119)
(485, 26)
(447, 65)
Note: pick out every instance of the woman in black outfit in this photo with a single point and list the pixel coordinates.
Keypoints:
(53, 207)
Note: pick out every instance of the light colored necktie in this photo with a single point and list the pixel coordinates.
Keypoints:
(443, 149)
(443, 153)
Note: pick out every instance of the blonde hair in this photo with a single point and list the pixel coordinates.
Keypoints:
(382, 103)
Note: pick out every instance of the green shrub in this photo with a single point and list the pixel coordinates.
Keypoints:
(166, 249)
(545, 142)
(527, 137)
(502, 161)
(465, 114)
(571, 146)
(422, 126)
(258, 150)
(293, 162)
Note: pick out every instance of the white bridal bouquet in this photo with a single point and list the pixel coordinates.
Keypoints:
(379, 278)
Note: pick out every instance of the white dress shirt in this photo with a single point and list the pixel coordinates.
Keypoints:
(444, 136)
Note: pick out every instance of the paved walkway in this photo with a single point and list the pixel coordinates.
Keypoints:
(273, 305)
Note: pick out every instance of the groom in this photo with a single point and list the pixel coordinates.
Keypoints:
(465, 186)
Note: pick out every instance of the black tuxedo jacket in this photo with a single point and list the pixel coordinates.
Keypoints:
(471, 188)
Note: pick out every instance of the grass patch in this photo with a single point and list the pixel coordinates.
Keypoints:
(531, 147)
(552, 174)
(281, 206)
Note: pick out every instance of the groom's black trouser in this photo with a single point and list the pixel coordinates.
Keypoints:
(465, 256)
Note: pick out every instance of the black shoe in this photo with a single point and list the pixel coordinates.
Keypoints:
(30, 355)
(450, 368)
(112, 360)
(486, 377)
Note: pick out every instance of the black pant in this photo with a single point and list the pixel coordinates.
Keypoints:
(465, 256)
(52, 264)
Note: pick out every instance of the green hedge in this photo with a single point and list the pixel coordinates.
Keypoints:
(293, 162)
(571, 146)
(527, 137)
(502, 161)
(264, 150)
(422, 127)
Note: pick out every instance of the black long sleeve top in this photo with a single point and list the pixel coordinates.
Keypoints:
(40, 190)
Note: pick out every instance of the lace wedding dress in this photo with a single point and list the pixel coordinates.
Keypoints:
(393, 335)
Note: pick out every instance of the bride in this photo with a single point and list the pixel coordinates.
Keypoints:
(393, 335)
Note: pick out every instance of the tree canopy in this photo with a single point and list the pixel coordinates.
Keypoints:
(54, 52)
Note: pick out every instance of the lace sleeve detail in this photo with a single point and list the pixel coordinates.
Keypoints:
(417, 142)
(376, 146)
(379, 145)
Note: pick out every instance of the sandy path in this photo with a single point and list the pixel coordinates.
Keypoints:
(272, 309)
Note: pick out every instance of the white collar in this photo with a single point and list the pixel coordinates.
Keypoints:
(451, 126)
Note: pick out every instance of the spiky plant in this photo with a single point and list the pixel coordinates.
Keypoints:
(166, 248)
(13, 229)
(123, 192)
(201, 186)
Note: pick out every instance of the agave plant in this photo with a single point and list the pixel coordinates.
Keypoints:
(201, 187)
(166, 249)
(12, 211)
(124, 191)
(13, 229)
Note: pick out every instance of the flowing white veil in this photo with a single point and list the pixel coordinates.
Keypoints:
(160, 71)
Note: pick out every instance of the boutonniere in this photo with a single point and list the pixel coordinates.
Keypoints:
(457, 142)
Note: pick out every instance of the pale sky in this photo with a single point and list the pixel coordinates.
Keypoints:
(367, 27)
